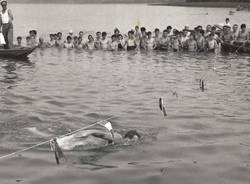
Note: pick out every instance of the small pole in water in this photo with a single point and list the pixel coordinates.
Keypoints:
(202, 85)
(161, 104)
(162, 107)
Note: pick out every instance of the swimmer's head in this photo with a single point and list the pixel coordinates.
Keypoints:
(132, 135)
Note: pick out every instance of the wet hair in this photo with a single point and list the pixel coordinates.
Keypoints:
(19, 38)
(104, 34)
(90, 36)
(143, 29)
(130, 134)
(35, 32)
(243, 26)
(116, 30)
(69, 38)
(214, 28)
(169, 27)
(130, 32)
(199, 26)
(157, 29)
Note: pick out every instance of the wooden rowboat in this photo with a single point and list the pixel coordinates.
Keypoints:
(234, 48)
(16, 52)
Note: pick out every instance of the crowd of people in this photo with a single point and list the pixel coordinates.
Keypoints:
(198, 39)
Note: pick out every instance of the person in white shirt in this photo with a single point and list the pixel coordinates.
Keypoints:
(6, 26)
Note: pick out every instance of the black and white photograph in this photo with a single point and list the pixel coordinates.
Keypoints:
(124, 91)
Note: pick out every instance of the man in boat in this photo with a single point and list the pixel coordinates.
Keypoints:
(6, 26)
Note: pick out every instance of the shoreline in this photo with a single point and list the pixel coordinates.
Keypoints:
(203, 4)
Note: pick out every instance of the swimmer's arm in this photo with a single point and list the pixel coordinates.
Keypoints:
(102, 136)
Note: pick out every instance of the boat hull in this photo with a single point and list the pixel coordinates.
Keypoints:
(16, 52)
(226, 47)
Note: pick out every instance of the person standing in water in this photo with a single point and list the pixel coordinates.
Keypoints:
(6, 26)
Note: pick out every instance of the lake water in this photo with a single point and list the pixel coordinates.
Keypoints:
(204, 139)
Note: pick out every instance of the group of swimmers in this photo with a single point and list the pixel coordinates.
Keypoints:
(191, 40)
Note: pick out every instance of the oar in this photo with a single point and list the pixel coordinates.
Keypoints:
(239, 48)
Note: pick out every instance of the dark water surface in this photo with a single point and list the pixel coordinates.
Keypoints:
(204, 139)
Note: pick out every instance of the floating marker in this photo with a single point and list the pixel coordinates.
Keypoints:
(202, 85)
(161, 104)
(164, 111)
(162, 108)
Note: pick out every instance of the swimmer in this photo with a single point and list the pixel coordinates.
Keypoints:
(96, 138)
(208, 30)
(42, 44)
(98, 43)
(113, 45)
(211, 44)
(192, 44)
(235, 31)
(28, 41)
(151, 45)
(143, 39)
(90, 45)
(116, 33)
(227, 35)
(68, 44)
(169, 29)
(243, 34)
(104, 41)
(79, 44)
(200, 41)
(81, 34)
(19, 41)
(75, 41)
(165, 41)
(33, 38)
(157, 38)
(59, 41)
(120, 43)
(52, 41)
(137, 35)
(176, 43)
(130, 43)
